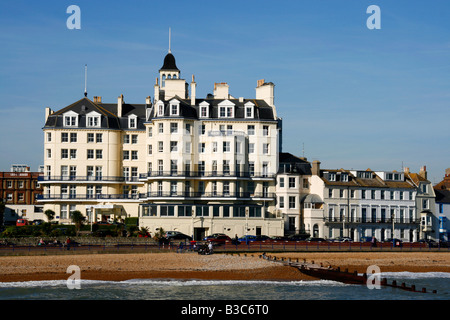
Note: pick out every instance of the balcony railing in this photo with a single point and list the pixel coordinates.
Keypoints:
(87, 179)
(211, 174)
(94, 197)
(162, 194)
(370, 220)
(240, 195)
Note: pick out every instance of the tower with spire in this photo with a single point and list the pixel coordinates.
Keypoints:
(170, 84)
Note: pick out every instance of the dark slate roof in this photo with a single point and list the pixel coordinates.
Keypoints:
(169, 63)
(288, 163)
(108, 111)
(262, 112)
(442, 196)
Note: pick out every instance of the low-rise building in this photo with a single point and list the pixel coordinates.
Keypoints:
(364, 203)
(19, 189)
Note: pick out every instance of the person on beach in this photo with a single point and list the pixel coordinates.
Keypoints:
(180, 247)
(210, 248)
(374, 242)
(68, 243)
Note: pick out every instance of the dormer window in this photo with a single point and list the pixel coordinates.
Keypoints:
(93, 119)
(204, 110)
(160, 108)
(71, 119)
(132, 121)
(226, 109)
(249, 110)
(174, 107)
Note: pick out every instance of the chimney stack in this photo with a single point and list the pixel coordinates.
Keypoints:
(423, 172)
(221, 90)
(316, 168)
(119, 105)
(265, 91)
(193, 91)
(48, 112)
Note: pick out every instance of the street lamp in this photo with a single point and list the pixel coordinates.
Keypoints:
(92, 216)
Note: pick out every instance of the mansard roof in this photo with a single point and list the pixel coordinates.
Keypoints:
(288, 163)
(108, 112)
(110, 119)
(353, 180)
(262, 110)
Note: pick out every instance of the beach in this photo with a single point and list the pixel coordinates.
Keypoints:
(171, 265)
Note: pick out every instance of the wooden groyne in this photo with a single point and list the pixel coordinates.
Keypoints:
(336, 274)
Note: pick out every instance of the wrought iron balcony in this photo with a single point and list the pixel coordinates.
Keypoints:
(43, 179)
(370, 220)
(162, 194)
(211, 174)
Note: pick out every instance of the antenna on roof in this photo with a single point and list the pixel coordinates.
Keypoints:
(85, 80)
(169, 41)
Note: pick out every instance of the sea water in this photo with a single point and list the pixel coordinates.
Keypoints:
(198, 290)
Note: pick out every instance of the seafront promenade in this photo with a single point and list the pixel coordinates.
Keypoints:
(218, 266)
(125, 245)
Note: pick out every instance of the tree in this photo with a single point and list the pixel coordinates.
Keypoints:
(78, 219)
(50, 214)
(2, 212)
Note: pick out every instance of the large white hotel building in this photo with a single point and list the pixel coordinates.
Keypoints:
(177, 161)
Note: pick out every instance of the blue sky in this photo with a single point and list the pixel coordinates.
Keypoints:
(350, 97)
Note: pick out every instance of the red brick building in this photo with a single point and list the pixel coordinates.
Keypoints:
(19, 191)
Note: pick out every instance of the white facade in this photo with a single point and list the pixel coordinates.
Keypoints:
(199, 166)
(360, 204)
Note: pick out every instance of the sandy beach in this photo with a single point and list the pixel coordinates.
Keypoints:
(119, 267)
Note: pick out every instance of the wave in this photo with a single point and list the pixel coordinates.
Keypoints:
(416, 275)
(196, 282)
(169, 282)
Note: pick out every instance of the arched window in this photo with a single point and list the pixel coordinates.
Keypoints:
(169, 77)
(163, 81)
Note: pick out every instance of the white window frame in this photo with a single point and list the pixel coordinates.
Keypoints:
(132, 121)
(174, 106)
(93, 119)
(249, 106)
(228, 109)
(160, 108)
(70, 119)
(204, 110)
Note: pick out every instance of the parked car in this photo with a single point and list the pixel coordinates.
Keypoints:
(247, 238)
(279, 238)
(342, 239)
(316, 239)
(262, 238)
(171, 233)
(37, 222)
(179, 236)
(213, 236)
(298, 237)
(219, 239)
(21, 222)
